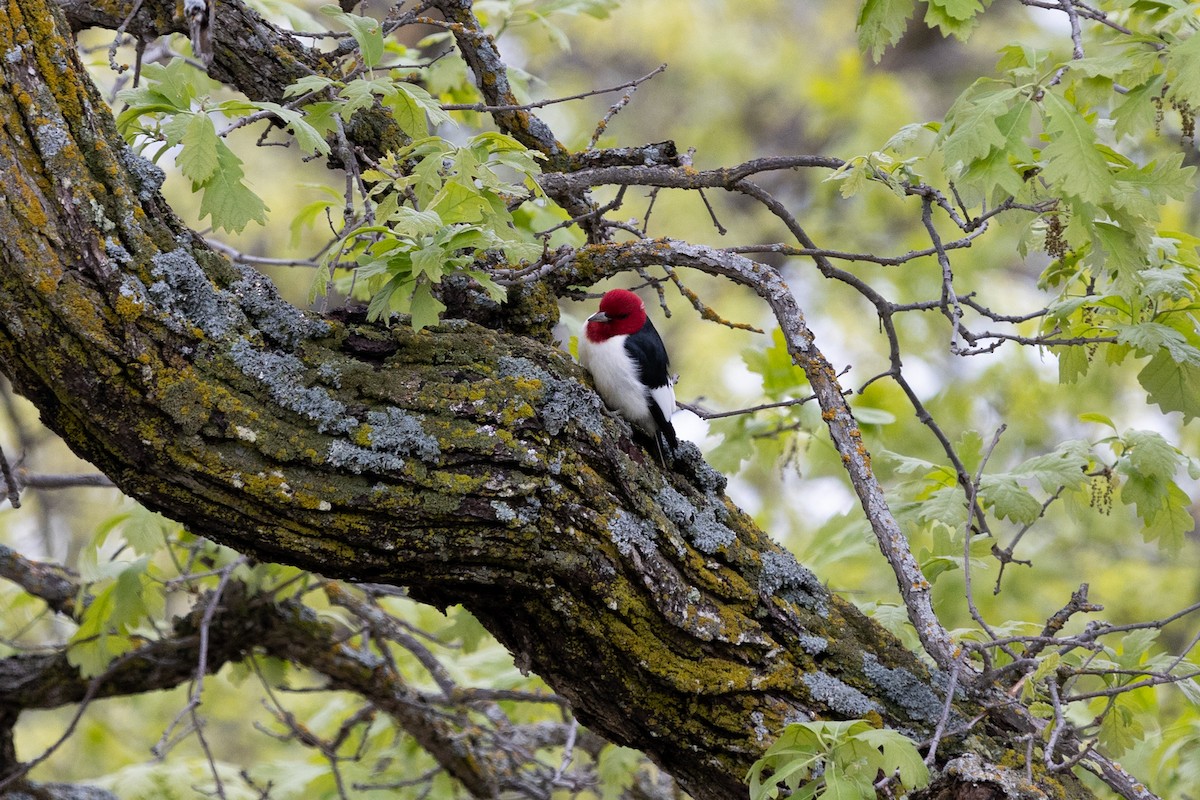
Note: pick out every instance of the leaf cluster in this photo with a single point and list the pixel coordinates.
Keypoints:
(440, 208)
(839, 759)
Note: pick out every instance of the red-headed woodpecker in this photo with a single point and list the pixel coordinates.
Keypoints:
(628, 362)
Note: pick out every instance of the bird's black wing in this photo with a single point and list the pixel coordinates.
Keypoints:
(647, 349)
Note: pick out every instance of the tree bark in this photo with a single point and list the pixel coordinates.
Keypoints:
(471, 465)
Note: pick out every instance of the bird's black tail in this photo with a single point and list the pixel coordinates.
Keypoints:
(664, 435)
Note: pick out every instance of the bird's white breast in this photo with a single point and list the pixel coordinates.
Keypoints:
(618, 379)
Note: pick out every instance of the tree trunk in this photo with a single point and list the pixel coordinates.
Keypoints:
(471, 465)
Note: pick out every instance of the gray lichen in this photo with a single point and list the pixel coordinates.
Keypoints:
(970, 768)
(630, 533)
(783, 576)
(189, 297)
(402, 433)
(562, 401)
(813, 645)
(285, 379)
(147, 176)
(904, 689)
(114, 250)
(357, 459)
(699, 524)
(523, 515)
(330, 375)
(690, 461)
(837, 696)
(280, 321)
(504, 511)
(51, 140)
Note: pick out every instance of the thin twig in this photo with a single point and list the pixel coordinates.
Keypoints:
(484, 108)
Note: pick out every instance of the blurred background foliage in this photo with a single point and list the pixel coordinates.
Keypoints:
(743, 80)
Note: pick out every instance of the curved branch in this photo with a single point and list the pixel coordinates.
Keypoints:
(822, 377)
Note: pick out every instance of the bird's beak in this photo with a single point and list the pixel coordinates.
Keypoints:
(599, 316)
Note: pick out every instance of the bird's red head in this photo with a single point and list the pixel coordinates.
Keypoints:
(621, 312)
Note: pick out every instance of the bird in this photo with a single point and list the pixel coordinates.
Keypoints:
(629, 365)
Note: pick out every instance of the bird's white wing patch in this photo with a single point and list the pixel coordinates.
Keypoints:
(664, 398)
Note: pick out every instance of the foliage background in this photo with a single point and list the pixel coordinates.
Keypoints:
(744, 79)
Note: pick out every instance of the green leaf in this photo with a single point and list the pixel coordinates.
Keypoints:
(1149, 455)
(1135, 647)
(178, 82)
(1094, 416)
(1120, 728)
(1170, 526)
(953, 17)
(1117, 248)
(972, 124)
(425, 102)
(1065, 466)
(840, 786)
(198, 159)
(464, 629)
(366, 32)
(103, 632)
(411, 222)
(147, 532)
(360, 94)
(456, 203)
(1009, 499)
(1183, 70)
(900, 755)
(1136, 110)
(1073, 363)
(307, 135)
(881, 23)
(380, 305)
(1171, 385)
(1045, 668)
(852, 176)
(1158, 181)
(615, 769)
(426, 309)
(1072, 162)
(428, 261)
(1151, 337)
(408, 113)
(309, 83)
(780, 376)
(227, 198)
(865, 415)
